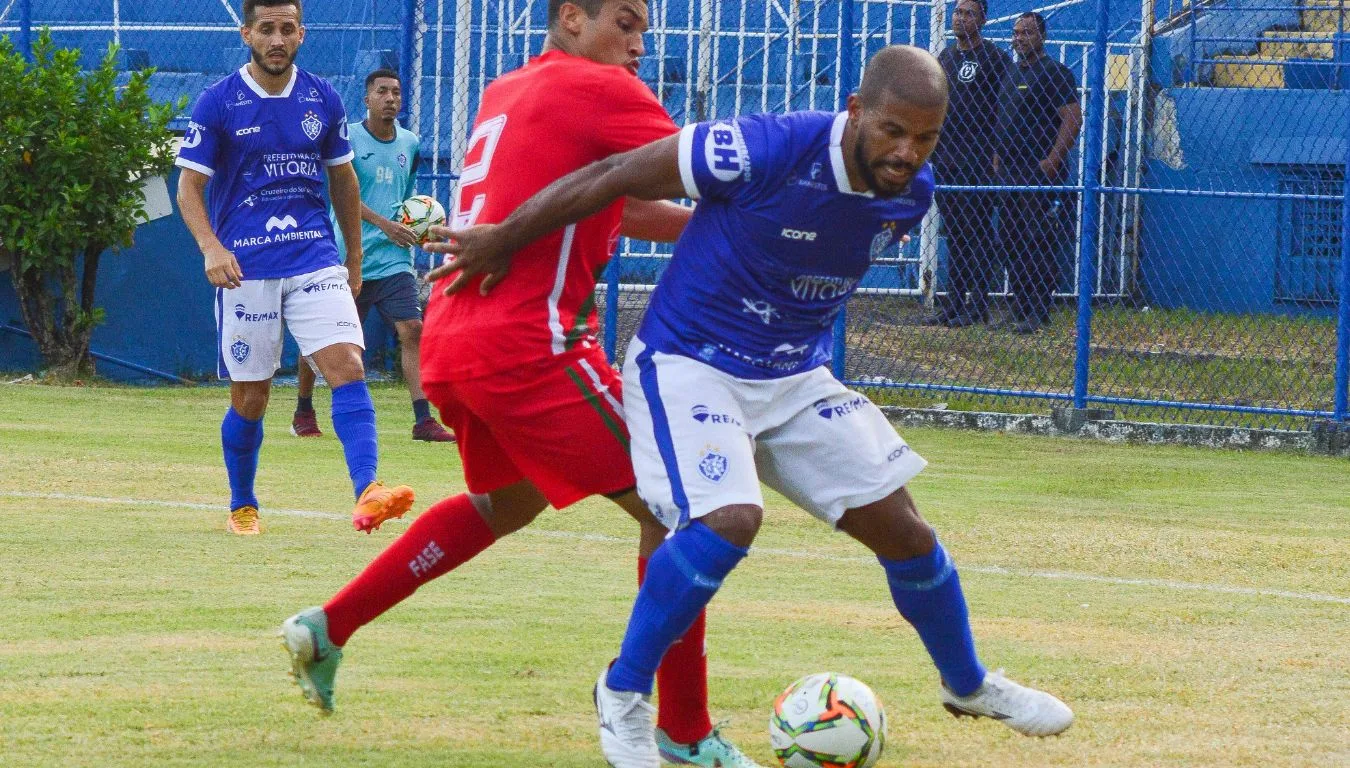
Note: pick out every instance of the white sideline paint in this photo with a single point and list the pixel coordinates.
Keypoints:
(995, 570)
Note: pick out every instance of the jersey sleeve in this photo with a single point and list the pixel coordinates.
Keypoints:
(725, 159)
(337, 147)
(627, 114)
(204, 137)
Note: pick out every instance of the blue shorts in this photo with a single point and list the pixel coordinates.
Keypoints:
(394, 296)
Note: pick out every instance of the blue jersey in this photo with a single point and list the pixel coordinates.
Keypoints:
(265, 156)
(777, 244)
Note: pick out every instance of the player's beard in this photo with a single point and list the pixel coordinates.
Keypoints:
(870, 178)
(273, 70)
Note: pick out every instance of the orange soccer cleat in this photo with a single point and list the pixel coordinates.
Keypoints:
(244, 521)
(379, 503)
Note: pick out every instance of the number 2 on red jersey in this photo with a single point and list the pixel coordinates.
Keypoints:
(488, 133)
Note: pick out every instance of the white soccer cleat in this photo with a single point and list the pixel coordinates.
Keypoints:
(627, 727)
(1026, 710)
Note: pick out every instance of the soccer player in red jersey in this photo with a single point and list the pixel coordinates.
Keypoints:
(518, 375)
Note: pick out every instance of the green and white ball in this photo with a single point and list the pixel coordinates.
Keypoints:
(828, 719)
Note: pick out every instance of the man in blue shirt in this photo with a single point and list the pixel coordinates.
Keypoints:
(725, 383)
(260, 137)
(385, 160)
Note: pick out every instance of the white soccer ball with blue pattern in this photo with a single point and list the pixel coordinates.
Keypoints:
(827, 719)
(420, 213)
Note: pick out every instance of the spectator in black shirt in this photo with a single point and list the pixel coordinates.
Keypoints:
(1039, 120)
(964, 157)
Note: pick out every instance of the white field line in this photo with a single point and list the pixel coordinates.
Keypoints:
(995, 570)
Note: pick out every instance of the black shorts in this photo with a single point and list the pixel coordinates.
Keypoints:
(395, 296)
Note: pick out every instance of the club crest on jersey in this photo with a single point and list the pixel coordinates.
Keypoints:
(713, 465)
(967, 71)
(402, 160)
(311, 125)
(239, 350)
(883, 240)
(724, 152)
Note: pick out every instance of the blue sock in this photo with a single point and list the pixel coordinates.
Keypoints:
(927, 591)
(240, 439)
(354, 423)
(682, 576)
(421, 411)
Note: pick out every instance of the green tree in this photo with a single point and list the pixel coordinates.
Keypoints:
(74, 146)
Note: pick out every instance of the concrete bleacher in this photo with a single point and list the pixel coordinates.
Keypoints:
(1313, 54)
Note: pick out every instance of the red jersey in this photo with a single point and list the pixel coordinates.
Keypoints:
(555, 115)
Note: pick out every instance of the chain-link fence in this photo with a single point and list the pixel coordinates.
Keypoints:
(1142, 206)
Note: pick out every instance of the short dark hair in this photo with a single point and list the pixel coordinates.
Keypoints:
(251, 8)
(1040, 20)
(382, 72)
(591, 7)
(984, 7)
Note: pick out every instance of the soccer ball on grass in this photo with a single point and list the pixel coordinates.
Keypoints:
(419, 213)
(827, 719)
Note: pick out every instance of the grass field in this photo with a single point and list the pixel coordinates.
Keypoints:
(1193, 606)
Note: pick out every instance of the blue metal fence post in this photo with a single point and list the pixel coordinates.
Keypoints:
(848, 78)
(26, 29)
(405, 70)
(1342, 412)
(1092, 169)
(611, 340)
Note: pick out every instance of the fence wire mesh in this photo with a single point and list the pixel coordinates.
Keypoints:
(1207, 284)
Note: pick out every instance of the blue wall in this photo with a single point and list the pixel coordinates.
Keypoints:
(1219, 254)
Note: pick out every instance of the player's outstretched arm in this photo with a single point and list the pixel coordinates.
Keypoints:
(222, 269)
(659, 221)
(650, 172)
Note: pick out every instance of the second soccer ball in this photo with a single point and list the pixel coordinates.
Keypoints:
(419, 213)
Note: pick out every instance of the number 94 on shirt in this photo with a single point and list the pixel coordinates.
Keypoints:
(420, 213)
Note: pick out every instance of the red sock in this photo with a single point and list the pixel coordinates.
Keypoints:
(439, 540)
(682, 683)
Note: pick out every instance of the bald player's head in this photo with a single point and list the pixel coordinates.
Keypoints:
(908, 74)
(895, 118)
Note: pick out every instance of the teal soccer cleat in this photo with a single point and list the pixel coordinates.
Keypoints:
(314, 658)
(714, 751)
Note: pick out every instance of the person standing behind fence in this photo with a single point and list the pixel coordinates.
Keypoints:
(1039, 120)
(386, 169)
(964, 157)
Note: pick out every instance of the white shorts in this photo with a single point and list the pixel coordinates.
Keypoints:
(317, 307)
(702, 440)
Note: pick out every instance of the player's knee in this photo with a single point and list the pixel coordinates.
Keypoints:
(737, 523)
(409, 332)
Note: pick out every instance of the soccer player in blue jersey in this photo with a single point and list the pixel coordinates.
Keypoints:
(385, 161)
(726, 384)
(259, 137)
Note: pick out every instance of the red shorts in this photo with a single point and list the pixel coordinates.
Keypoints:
(558, 424)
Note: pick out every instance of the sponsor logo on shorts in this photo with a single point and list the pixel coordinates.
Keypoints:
(345, 324)
(241, 312)
(897, 453)
(321, 287)
(704, 415)
(713, 465)
(827, 411)
(239, 350)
